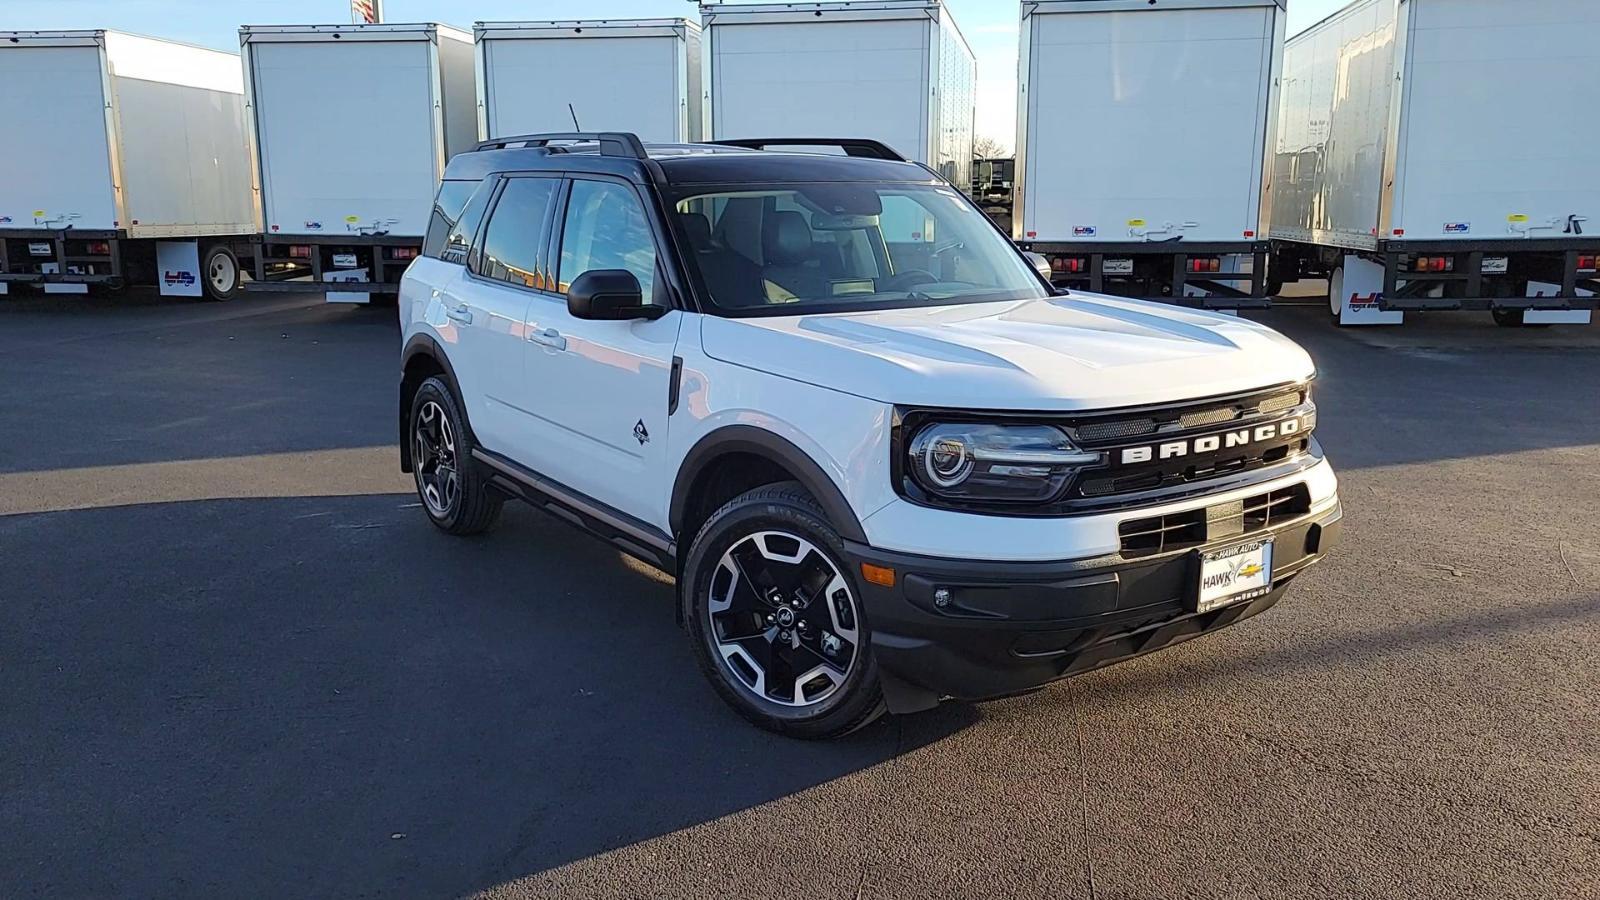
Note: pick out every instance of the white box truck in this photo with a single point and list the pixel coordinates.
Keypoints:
(1143, 134)
(351, 129)
(638, 75)
(895, 71)
(1441, 154)
(123, 160)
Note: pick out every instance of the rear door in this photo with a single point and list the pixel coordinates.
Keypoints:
(1501, 136)
(851, 78)
(346, 135)
(609, 83)
(1148, 124)
(504, 271)
(55, 163)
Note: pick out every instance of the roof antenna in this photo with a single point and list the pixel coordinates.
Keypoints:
(575, 125)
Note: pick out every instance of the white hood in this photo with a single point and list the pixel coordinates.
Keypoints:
(1083, 351)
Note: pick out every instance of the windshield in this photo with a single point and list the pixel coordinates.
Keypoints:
(798, 248)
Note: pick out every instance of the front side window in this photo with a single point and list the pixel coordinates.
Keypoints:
(828, 247)
(515, 234)
(606, 228)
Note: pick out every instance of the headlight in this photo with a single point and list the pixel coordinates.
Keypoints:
(990, 462)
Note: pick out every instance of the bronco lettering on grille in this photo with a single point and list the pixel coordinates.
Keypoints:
(1211, 443)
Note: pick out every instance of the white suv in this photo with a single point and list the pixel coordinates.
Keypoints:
(887, 461)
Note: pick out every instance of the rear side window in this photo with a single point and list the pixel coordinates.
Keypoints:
(513, 240)
(447, 207)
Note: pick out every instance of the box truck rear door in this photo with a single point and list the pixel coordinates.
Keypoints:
(1500, 134)
(55, 161)
(347, 136)
(1141, 118)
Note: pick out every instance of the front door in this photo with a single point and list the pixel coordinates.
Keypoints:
(601, 387)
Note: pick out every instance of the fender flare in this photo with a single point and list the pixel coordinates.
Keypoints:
(425, 345)
(764, 443)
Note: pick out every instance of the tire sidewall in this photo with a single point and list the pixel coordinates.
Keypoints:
(730, 525)
(435, 390)
(205, 273)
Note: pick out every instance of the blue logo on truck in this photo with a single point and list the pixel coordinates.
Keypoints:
(1084, 231)
(1458, 228)
(173, 279)
(5, 220)
(312, 225)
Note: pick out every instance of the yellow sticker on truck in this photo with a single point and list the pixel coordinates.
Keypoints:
(352, 219)
(1516, 217)
(1135, 223)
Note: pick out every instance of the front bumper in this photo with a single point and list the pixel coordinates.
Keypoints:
(1012, 626)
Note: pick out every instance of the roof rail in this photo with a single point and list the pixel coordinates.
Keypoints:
(851, 146)
(612, 143)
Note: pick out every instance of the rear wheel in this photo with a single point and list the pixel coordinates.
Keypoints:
(219, 270)
(454, 493)
(775, 616)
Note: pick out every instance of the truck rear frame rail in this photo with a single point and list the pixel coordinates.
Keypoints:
(1162, 271)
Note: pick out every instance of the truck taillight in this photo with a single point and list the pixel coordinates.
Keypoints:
(99, 248)
(299, 251)
(1433, 264)
(402, 253)
(1068, 265)
(1205, 264)
(1586, 263)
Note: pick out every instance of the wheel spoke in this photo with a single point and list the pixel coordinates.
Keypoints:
(764, 620)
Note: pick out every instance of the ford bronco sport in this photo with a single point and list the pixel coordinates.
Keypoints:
(887, 461)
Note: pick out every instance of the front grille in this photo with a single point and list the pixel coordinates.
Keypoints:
(1155, 535)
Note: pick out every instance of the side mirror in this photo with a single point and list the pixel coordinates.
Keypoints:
(1040, 263)
(609, 295)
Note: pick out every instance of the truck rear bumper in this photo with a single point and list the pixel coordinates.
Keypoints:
(1010, 627)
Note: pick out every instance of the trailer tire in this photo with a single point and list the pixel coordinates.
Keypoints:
(220, 274)
(1514, 318)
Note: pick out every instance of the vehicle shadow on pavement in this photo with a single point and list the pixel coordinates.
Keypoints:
(323, 695)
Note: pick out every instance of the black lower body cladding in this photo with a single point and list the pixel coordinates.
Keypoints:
(971, 629)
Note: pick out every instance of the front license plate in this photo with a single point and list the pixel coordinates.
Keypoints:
(1234, 574)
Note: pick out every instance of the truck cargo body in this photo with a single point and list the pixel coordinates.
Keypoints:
(638, 75)
(1441, 154)
(1143, 137)
(123, 159)
(897, 71)
(351, 129)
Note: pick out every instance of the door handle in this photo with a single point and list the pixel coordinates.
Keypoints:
(461, 313)
(549, 337)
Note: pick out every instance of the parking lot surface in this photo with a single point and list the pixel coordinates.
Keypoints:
(236, 660)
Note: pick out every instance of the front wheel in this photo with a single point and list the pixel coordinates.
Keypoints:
(776, 619)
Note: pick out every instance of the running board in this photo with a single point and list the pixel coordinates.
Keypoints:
(638, 539)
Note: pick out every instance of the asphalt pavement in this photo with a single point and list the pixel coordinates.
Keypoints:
(236, 660)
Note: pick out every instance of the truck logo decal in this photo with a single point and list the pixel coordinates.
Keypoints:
(641, 433)
(312, 225)
(1364, 301)
(186, 279)
(1458, 228)
(1084, 231)
(1210, 443)
(5, 220)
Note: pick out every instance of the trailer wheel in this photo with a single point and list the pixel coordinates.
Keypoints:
(220, 271)
(1514, 318)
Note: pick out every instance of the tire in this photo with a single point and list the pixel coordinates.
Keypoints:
(450, 484)
(220, 275)
(778, 539)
